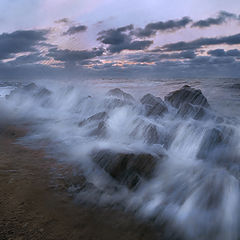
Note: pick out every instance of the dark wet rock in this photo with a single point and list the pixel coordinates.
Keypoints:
(127, 168)
(154, 106)
(101, 116)
(118, 93)
(190, 102)
(187, 95)
(190, 110)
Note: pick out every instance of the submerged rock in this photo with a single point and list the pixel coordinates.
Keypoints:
(154, 106)
(127, 168)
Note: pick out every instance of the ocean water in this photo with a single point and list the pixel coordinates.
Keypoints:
(194, 188)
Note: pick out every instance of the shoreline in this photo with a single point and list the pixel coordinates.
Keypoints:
(35, 204)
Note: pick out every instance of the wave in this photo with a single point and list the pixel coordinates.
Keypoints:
(173, 161)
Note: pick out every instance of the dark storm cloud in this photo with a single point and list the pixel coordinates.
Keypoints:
(115, 36)
(121, 39)
(20, 41)
(223, 53)
(229, 40)
(71, 56)
(129, 45)
(75, 29)
(222, 17)
(171, 25)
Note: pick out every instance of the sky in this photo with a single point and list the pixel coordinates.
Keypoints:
(81, 39)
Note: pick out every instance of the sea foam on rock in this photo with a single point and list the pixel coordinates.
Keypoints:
(154, 106)
(118, 98)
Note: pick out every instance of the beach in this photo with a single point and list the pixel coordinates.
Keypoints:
(36, 205)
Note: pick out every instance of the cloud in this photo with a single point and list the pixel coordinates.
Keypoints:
(222, 17)
(20, 41)
(223, 53)
(121, 39)
(129, 45)
(171, 25)
(114, 36)
(179, 46)
(155, 57)
(71, 56)
(28, 59)
(75, 29)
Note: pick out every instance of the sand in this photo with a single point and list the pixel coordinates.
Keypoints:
(35, 204)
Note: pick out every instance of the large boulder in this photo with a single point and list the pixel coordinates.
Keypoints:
(187, 94)
(189, 102)
(154, 106)
(127, 168)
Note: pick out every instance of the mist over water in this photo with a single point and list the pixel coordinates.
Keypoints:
(194, 183)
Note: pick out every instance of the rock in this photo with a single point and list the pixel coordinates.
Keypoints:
(32, 90)
(30, 87)
(190, 102)
(187, 95)
(127, 168)
(44, 92)
(189, 110)
(117, 98)
(118, 93)
(213, 138)
(154, 106)
(235, 85)
(100, 130)
(101, 116)
(147, 131)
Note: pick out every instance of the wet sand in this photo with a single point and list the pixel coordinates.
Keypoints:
(35, 205)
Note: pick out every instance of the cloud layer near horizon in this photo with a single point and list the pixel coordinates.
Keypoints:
(126, 51)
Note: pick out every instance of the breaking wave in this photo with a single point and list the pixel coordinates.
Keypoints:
(173, 161)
